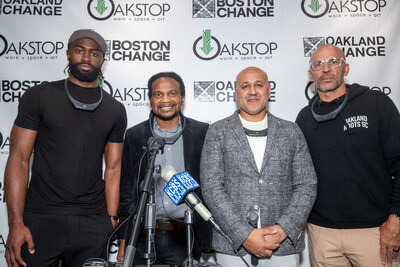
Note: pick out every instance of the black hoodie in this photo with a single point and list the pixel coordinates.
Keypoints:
(357, 159)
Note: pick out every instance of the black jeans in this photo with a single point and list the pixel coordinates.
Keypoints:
(70, 238)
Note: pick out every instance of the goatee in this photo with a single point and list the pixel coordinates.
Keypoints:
(166, 118)
(84, 76)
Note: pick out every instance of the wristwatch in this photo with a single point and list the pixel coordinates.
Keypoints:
(115, 218)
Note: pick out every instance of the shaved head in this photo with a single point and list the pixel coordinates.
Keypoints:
(248, 70)
(327, 48)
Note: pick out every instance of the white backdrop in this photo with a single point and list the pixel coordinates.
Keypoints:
(207, 42)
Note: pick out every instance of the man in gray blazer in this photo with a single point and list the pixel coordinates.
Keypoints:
(248, 173)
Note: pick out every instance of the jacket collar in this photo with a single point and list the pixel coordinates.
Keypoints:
(239, 134)
(172, 139)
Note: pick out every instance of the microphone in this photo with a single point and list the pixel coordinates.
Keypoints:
(156, 144)
(252, 218)
(179, 186)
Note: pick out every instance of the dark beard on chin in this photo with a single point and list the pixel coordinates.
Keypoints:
(166, 118)
(84, 76)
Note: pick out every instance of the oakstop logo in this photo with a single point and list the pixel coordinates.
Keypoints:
(3, 45)
(208, 47)
(128, 96)
(311, 90)
(4, 144)
(2, 198)
(342, 8)
(2, 244)
(128, 10)
(30, 49)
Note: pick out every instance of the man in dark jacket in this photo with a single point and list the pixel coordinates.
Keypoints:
(353, 134)
(184, 141)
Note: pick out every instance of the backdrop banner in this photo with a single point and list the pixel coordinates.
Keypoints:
(207, 42)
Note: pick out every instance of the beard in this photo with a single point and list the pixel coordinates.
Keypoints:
(84, 76)
(166, 118)
(338, 82)
(328, 89)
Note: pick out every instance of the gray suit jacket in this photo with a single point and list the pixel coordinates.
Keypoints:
(285, 189)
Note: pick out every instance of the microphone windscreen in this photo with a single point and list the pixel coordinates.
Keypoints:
(167, 172)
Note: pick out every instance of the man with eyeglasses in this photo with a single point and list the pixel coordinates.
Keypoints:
(354, 138)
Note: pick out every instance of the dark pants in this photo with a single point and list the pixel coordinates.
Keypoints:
(70, 238)
(170, 248)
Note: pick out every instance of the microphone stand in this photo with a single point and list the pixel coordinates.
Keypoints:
(189, 236)
(150, 226)
(154, 146)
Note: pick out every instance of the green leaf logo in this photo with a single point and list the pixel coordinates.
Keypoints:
(207, 48)
(315, 5)
(315, 91)
(101, 6)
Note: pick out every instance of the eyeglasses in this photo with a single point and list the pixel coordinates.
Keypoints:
(333, 63)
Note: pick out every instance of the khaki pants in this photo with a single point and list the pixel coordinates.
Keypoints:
(344, 247)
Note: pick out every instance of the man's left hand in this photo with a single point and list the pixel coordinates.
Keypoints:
(390, 240)
(278, 237)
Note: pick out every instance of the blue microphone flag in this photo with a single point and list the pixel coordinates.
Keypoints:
(179, 185)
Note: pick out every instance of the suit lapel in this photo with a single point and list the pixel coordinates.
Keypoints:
(272, 139)
(239, 135)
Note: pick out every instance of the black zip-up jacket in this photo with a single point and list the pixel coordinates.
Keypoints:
(357, 159)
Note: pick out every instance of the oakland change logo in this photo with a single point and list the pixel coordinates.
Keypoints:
(221, 91)
(31, 8)
(311, 44)
(352, 46)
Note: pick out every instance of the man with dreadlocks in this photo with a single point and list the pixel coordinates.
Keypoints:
(69, 210)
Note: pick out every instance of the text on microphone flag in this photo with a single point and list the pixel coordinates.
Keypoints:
(179, 185)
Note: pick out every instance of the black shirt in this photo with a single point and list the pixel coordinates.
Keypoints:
(67, 160)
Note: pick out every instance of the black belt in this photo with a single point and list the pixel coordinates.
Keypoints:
(169, 225)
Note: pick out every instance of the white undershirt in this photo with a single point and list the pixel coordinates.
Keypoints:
(257, 143)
